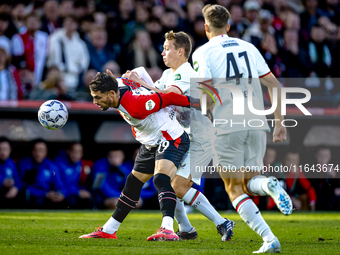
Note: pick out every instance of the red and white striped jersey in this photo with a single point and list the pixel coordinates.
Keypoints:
(151, 120)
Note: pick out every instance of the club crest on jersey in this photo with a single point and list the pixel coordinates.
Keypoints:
(149, 105)
(177, 77)
(196, 66)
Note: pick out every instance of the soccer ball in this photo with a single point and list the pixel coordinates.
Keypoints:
(52, 114)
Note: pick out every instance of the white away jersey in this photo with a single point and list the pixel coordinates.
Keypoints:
(194, 123)
(236, 64)
(151, 119)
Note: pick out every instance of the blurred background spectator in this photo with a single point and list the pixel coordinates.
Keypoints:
(99, 50)
(69, 163)
(10, 183)
(326, 183)
(10, 88)
(69, 52)
(30, 48)
(53, 87)
(108, 179)
(297, 38)
(141, 52)
(51, 20)
(41, 179)
(296, 184)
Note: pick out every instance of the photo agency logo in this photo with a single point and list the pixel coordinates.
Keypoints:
(240, 100)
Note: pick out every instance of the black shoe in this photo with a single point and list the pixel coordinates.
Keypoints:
(226, 230)
(191, 235)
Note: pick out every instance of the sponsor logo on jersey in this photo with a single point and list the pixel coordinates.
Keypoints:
(149, 105)
(229, 43)
(177, 77)
(196, 66)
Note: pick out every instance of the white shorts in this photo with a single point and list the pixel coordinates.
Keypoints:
(189, 164)
(241, 149)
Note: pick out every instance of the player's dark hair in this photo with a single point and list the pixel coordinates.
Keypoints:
(216, 15)
(104, 82)
(181, 40)
(4, 139)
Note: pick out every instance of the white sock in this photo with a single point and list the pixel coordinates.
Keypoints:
(198, 201)
(181, 217)
(258, 185)
(111, 226)
(252, 216)
(168, 223)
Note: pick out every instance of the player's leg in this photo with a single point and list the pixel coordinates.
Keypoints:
(182, 184)
(256, 184)
(168, 156)
(197, 200)
(143, 171)
(185, 229)
(232, 154)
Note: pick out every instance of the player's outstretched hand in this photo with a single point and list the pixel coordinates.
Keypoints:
(126, 74)
(280, 134)
(133, 76)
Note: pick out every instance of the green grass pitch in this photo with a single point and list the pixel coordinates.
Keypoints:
(57, 232)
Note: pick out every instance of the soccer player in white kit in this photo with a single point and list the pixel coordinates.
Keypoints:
(230, 65)
(177, 49)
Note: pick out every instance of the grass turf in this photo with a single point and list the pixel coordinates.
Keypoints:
(57, 232)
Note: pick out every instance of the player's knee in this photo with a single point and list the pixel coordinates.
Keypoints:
(180, 190)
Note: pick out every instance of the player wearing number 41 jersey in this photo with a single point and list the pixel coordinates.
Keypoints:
(164, 143)
(237, 69)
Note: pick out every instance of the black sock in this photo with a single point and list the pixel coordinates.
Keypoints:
(128, 198)
(166, 194)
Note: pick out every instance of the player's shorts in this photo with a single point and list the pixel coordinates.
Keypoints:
(191, 164)
(241, 149)
(173, 150)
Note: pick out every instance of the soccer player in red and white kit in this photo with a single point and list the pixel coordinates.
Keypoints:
(164, 143)
(231, 64)
(176, 79)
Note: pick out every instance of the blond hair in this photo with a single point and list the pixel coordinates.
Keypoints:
(181, 40)
(216, 15)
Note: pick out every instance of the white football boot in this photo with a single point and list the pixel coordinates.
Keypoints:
(280, 196)
(272, 246)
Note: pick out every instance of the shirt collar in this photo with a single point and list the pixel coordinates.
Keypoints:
(225, 36)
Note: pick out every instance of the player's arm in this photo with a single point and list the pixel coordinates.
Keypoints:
(132, 75)
(140, 106)
(280, 132)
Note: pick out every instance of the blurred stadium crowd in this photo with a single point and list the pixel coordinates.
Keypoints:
(52, 49)
(66, 180)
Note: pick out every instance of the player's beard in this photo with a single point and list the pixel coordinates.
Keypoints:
(105, 108)
(108, 105)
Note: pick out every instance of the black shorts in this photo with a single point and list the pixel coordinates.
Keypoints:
(173, 150)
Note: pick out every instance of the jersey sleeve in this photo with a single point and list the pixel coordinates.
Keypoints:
(201, 65)
(181, 81)
(160, 84)
(143, 74)
(140, 106)
(261, 64)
